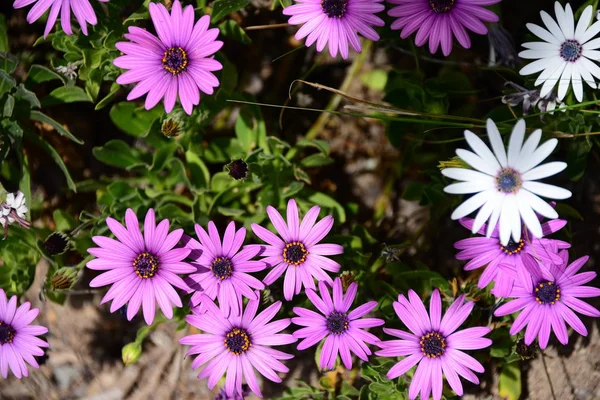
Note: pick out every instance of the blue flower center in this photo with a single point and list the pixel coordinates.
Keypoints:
(441, 6)
(571, 50)
(337, 323)
(237, 341)
(7, 333)
(334, 8)
(175, 60)
(222, 268)
(433, 344)
(508, 181)
(294, 253)
(513, 247)
(547, 293)
(146, 265)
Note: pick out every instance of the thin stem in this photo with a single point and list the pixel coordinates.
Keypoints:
(262, 27)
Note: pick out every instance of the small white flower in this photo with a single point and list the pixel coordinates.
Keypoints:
(14, 202)
(566, 53)
(505, 182)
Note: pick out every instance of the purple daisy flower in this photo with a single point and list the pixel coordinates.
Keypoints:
(438, 20)
(141, 269)
(298, 255)
(177, 63)
(504, 264)
(237, 345)
(18, 341)
(343, 329)
(550, 301)
(434, 344)
(222, 269)
(84, 13)
(335, 22)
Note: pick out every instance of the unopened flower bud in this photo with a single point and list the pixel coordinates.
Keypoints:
(64, 278)
(526, 351)
(237, 169)
(57, 243)
(454, 162)
(131, 353)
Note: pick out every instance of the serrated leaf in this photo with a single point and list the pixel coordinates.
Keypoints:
(38, 74)
(8, 62)
(26, 95)
(118, 154)
(7, 82)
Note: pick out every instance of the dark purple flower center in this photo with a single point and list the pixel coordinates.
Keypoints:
(441, 6)
(7, 333)
(237, 341)
(222, 268)
(513, 247)
(547, 293)
(433, 344)
(571, 50)
(175, 60)
(294, 253)
(146, 265)
(337, 323)
(334, 8)
(238, 169)
(508, 181)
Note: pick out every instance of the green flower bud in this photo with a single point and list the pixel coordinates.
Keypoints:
(131, 353)
(64, 278)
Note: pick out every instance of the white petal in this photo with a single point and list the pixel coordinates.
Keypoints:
(528, 148)
(472, 204)
(485, 212)
(565, 81)
(506, 218)
(539, 155)
(585, 74)
(516, 142)
(539, 205)
(584, 23)
(465, 174)
(497, 143)
(552, 80)
(541, 46)
(534, 67)
(529, 218)
(551, 67)
(591, 66)
(552, 26)
(591, 45)
(592, 54)
(567, 22)
(495, 216)
(591, 32)
(545, 190)
(543, 34)
(482, 150)
(469, 187)
(544, 171)
(479, 163)
(577, 83)
(535, 54)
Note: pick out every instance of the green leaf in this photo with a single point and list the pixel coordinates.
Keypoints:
(199, 174)
(375, 79)
(230, 212)
(38, 74)
(118, 154)
(66, 94)
(231, 29)
(222, 8)
(3, 34)
(9, 106)
(162, 155)
(316, 160)
(109, 97)
(54, 155)
(323, 200)
(509, 385)
(134, 120)
(41, 117)
(322, 145)
(8, 62)
(7, 82)
(64, 221)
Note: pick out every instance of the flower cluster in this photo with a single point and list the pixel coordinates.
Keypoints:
(14, 210)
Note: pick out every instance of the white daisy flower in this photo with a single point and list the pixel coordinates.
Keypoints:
(567, 53)
(505, 182)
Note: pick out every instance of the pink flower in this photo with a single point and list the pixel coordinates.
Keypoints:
(178, 63)
(141, 269)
